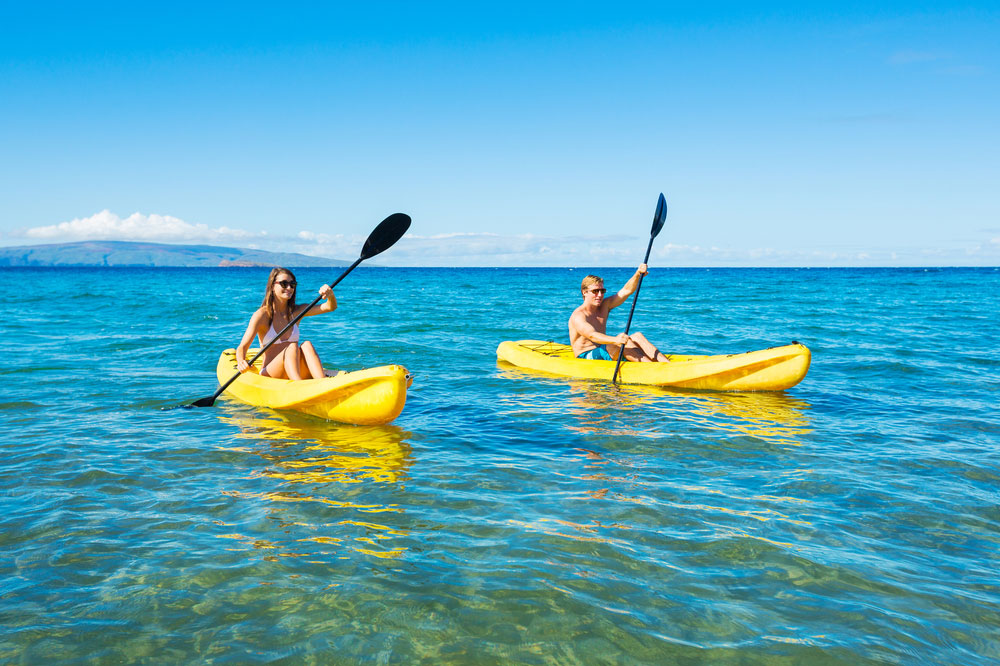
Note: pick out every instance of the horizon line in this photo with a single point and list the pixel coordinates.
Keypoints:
(590, 267)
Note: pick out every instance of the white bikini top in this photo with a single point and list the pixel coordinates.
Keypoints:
(272, 334)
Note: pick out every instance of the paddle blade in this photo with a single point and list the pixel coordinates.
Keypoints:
(204, 402)
(385, 235)
(659, 217)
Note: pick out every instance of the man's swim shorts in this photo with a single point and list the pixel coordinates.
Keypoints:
(599, 353)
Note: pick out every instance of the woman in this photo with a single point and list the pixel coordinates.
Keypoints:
(287, 358)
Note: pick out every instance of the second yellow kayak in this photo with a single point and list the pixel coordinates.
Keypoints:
(772, 369)
(366, 397)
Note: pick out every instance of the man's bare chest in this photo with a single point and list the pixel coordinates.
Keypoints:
(598, 320)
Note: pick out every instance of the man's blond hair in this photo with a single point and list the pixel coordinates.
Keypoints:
(590, 280)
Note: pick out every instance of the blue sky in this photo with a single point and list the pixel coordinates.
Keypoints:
(513, 134)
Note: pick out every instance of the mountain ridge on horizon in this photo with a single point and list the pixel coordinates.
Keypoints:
(146, 253)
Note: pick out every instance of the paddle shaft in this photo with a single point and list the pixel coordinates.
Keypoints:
(628, 325)
(287, 326)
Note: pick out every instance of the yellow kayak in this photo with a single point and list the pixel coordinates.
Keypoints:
(772, 369)
(367, 397)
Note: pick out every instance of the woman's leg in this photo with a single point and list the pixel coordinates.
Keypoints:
(275, 368)
(291, 356)
(309, 363)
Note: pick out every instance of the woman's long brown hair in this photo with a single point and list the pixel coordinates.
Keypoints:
(268, 302)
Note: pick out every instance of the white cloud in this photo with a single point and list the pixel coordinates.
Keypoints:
(138, 227)
(491, 249)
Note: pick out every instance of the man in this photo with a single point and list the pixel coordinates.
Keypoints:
(589, 322)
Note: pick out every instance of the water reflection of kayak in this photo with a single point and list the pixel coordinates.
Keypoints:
(305, 450)
(642, 411)
(772, 369)
(368, 397)
(314, 470)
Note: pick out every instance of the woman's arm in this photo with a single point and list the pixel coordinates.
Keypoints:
(329, 305)
(248, 336)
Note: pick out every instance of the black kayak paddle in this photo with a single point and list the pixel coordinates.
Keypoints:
(385, 235)
(659, 217)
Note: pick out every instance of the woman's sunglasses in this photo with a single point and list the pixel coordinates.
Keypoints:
(285, 284)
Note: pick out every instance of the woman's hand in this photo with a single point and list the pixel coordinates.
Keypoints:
(242, 365)
(642, 270)
(326, 291)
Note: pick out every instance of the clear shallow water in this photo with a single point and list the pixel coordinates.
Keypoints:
(504, 517)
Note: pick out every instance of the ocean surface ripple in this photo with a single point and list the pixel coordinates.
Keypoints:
(504, 517)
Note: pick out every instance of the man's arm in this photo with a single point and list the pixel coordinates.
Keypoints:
(628, 289)
(587, 330)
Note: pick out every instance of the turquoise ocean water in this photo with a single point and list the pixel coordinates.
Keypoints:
(504, 517)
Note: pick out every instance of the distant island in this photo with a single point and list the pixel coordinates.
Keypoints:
(128, 253)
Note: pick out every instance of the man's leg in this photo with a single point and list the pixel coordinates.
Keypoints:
(643, 349)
